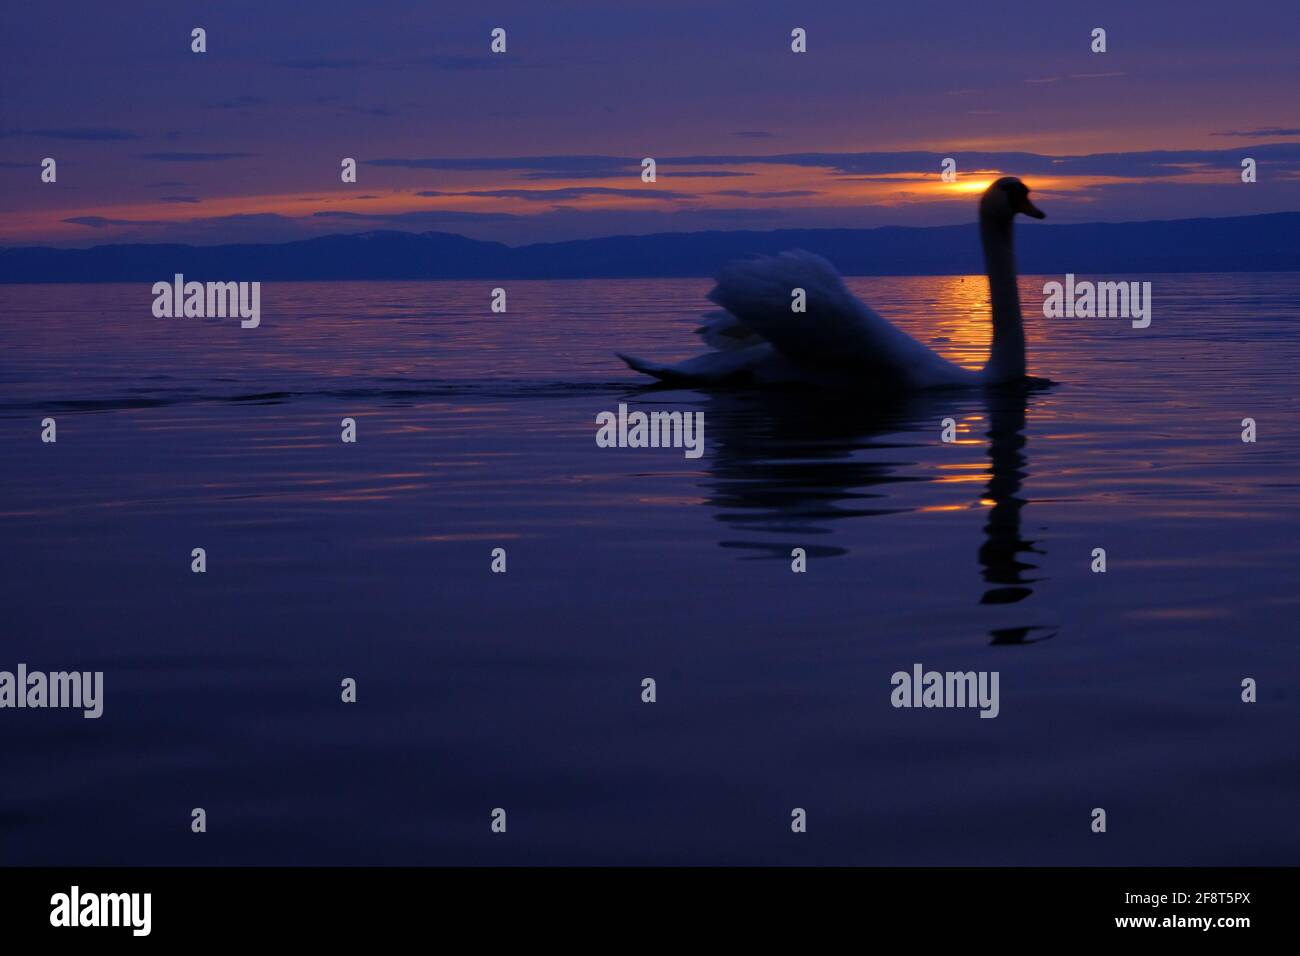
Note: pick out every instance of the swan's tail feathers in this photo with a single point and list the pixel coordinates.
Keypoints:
(711, 368)
(647, 368)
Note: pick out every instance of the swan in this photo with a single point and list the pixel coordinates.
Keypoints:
(840, 341)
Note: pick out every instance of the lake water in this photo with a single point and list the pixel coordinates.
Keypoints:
(522, 690)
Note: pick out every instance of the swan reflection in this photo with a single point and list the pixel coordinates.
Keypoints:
(787, 469)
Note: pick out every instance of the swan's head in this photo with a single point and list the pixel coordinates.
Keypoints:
(1005, 198)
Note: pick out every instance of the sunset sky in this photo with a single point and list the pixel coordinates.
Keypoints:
(244, 142)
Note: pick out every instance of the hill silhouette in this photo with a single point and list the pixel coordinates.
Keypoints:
(1239, 244)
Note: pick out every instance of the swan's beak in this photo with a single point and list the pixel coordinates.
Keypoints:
(1029, 209)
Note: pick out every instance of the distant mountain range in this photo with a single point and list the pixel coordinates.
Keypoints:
(1239, 244)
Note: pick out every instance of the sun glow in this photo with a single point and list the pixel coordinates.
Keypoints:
(971, 185)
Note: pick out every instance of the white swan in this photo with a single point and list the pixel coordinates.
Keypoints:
(839, 340)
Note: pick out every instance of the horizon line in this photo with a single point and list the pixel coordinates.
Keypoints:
(626, 235)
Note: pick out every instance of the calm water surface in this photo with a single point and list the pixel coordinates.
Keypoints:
(522, 691)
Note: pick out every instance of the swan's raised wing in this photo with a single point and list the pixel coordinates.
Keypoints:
(838, 330)
(724, 332)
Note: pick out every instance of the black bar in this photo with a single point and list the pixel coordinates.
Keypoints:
(976, 905)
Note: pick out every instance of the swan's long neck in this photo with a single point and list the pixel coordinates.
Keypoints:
(1007, 357)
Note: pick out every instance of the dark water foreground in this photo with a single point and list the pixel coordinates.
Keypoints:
(523, 691)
